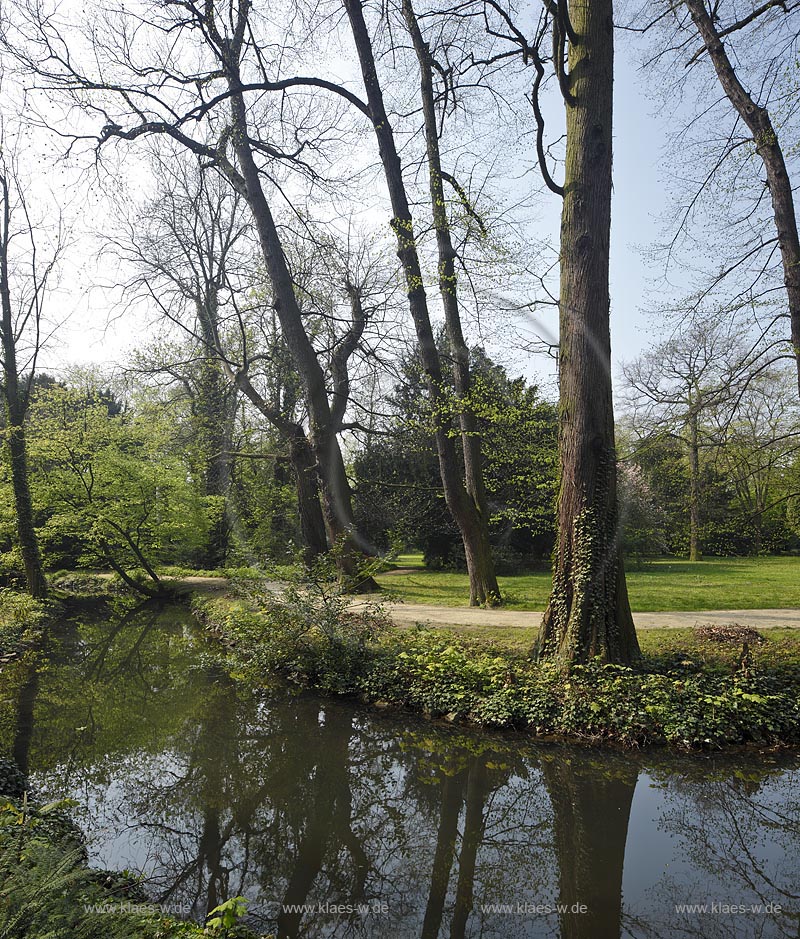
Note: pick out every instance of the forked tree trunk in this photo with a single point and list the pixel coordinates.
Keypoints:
(768, 147)
(476, 547)
(337, 497)
(588, 613)
(461, 504)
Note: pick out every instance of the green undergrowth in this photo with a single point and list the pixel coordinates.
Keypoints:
(21, 621)
(684, 693)
(49, 891)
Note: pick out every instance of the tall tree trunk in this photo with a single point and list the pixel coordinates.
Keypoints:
(463, 507)
(26, 532)
(215, 408)
(15, 407)
(588, 613)
(448, 288)
(312, 523)
(694, 489)
(335, 487)
(768, 147)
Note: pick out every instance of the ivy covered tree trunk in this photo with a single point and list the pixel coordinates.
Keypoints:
(588, 613)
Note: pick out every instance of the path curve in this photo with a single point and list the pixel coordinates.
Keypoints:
(408, 614)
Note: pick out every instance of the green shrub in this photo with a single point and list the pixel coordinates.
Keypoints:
(307, 632)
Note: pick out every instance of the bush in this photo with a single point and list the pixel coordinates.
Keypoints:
(12, 573)
(307, 632)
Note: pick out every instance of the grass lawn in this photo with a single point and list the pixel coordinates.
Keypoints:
(719, 584)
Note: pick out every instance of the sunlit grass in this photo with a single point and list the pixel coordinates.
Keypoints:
(718, 584)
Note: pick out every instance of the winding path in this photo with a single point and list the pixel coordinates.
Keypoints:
(408, 614)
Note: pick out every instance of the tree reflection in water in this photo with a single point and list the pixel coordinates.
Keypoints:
(300, 804)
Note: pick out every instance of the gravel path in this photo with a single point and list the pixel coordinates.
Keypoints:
(406, 614)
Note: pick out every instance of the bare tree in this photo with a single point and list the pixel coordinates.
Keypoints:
(687, 388)
(193, 258)
(735, 198)
(765, 138)
(465, 499)
(202, 74)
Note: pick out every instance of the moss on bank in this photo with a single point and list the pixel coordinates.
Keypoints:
(680, 695)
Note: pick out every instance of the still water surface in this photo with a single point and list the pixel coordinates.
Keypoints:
(337, 821)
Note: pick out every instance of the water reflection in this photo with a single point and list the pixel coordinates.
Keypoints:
(334, 821)
(591, 804)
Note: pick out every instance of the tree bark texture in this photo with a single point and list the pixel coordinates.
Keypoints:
(588, 613)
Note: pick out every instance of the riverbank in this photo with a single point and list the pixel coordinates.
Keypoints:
(687, 692)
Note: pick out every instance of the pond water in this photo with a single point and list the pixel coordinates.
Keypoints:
(337, 821)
